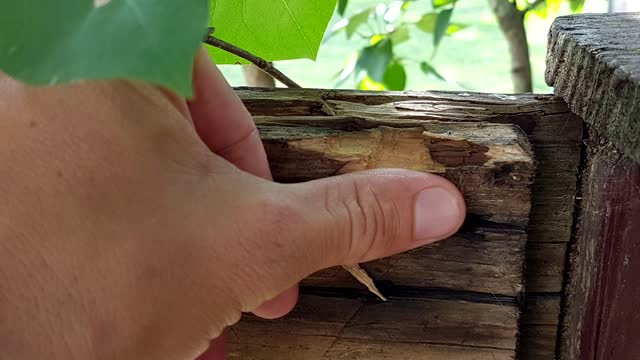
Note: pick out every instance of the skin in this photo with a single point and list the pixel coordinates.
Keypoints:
(137, 225)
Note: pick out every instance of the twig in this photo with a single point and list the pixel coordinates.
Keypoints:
(260, 63)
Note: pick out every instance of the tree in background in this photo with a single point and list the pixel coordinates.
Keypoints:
(377, 67)
(510, 15)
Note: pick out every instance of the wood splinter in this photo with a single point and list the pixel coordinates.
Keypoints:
(364, 279)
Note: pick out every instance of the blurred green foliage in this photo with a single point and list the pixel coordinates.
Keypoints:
(384, 25)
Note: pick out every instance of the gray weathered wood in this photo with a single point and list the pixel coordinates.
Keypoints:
(438, 328)
(593, 62)
(478, 259)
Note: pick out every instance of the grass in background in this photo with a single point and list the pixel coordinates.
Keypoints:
(474, 59)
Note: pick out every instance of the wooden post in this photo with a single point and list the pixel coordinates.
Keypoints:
(594, 64)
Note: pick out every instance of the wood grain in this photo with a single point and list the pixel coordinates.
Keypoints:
(359, 329)
(308, 117)
(479, 260)
(492, 164)
(601, 318)
(594, 64)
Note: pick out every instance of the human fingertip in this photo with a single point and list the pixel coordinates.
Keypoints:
(439, 212)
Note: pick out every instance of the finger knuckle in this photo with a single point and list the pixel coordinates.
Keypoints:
(372, 220)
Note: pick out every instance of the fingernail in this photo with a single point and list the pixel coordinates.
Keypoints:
(437, 214)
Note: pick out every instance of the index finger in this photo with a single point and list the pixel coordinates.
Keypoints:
(223, 122)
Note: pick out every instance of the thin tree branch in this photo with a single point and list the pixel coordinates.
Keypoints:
(260, 63)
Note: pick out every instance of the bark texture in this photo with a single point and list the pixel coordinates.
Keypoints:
(511, 21)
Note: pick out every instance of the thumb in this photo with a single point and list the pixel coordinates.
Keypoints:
(364, 216)
(298, 229)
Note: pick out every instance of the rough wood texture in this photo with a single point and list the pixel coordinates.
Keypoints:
(492, 164)
(329, 327)
(593, 62)
(556, 136)
(554, 132)
(478, 259)
(539, 327)
(602, 319)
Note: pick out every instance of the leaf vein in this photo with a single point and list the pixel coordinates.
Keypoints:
(304, 36)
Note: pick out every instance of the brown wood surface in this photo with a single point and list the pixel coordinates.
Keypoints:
(593, 62)
(478, 259)
(554, 132)
(440, 272)
(602, 319)
(329, 327)
(539, 327)
(492, 164)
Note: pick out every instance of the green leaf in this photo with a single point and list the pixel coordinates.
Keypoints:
(576, 5)
(52, 42)
(375, 59)
(400, 35)
(553, 6)
(430, 70)
(369, 84)
(522, 5)
(272, 30)
(358, 19)
(442, 24)
(439, 3)
(454, 28)
(342, 6)
(542, 9)
(427, 22)
(395, 78)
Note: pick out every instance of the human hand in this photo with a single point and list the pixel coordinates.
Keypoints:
(135, 225)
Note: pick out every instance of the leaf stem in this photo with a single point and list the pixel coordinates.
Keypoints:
(260, 63)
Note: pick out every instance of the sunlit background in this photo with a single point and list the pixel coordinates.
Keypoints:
(473, 59)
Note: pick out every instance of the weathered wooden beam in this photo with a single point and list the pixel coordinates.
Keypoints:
(477, 259)
(555, 133)
(594, 64)
(601, 319)
(556, 136)
(329, 327)
(492, 164)
(539, 327)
